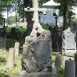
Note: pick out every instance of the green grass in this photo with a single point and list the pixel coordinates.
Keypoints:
(12, 72)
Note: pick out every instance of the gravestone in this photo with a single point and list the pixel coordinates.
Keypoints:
(11, 58)
(68, 42)
(36, 56)
(16, 48)
(75, 58)
(58, 62)
(69, 68)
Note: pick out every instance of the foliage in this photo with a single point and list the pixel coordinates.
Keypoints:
(61, 73)
(17, 31)
(45, 26)
(42, 1)
(10, 43)
(65, 7)
(11, 20)
(12, 72)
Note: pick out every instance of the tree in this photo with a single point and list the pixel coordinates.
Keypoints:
(65, 6)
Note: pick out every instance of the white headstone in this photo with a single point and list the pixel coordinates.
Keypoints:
(68, 42)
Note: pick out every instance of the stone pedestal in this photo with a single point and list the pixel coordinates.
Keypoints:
(39, 74)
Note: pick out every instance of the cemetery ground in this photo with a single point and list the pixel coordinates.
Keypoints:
(14, 71)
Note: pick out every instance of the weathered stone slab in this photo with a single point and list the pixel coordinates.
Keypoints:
(69, 68)
(39, 74)
(75, 64)
(42, 52)
(58, 62)
(69, 42)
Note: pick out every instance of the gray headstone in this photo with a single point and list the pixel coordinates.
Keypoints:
(58, 63)
(66, 58)
(75, 64)
(69, 68)
(42, 52)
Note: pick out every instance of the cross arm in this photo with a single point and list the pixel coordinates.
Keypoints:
(35, 9)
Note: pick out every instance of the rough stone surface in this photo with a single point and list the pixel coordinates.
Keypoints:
(37, 51)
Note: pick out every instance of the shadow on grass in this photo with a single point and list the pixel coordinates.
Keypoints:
(3, 75)
(2, 60)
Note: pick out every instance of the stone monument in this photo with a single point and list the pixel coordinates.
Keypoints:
(69, 42)
(36, 56)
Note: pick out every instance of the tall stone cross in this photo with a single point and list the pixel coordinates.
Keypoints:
(35, 10)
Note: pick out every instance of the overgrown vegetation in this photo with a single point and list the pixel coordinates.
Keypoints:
(4, 71)
(14, 72)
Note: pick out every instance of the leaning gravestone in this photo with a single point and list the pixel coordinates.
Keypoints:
(36, 56)
(68, 43)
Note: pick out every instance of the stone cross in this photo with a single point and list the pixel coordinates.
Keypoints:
(35, 10)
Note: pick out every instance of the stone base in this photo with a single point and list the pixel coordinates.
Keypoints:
(39, 74)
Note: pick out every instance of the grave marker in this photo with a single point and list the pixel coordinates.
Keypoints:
(69, 68)
(11, 58)
(16, 48)
(69, 43)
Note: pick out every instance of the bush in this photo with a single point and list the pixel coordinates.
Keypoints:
(15, 32)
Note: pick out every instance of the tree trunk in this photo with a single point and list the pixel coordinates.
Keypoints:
(29, 23)
(28, 3)
(64, 18)
(65, 15)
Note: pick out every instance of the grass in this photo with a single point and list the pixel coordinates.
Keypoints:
(12, 72)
